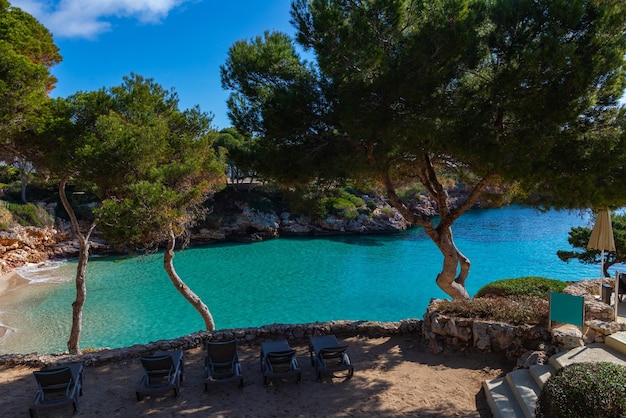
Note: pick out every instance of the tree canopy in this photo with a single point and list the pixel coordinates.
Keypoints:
(150, 166)
(403, 90)
(27, 52)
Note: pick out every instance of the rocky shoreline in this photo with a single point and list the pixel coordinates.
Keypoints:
(21, 245)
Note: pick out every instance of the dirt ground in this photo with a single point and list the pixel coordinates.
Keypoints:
(393, 377)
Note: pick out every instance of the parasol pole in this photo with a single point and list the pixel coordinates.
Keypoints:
(601, 271)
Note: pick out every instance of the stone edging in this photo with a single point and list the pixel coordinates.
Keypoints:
(295, 333)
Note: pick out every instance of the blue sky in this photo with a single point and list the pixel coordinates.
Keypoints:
(179, 43)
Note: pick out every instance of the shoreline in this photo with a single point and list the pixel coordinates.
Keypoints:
(11, 281)
(8, 283)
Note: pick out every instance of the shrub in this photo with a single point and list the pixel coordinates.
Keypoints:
(413, 191)
(341, 207)
(9, 173)
(355, 200)
(518, 310)
(6, 217)
(387, 212)
(584, 390)
(371, 205)
(518, 301)
(30, 214)
(522, 286)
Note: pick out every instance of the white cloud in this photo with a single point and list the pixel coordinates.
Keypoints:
(88, 18)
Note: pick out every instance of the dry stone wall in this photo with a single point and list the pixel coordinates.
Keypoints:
(297, 334)
(443, 332)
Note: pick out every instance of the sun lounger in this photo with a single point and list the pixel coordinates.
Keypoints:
(163, 371)
(58, 386)
(278, 361)
(328, 356)
(222, 363)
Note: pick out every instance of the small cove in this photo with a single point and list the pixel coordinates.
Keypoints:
(286, 280)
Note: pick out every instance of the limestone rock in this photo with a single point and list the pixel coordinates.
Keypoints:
(567, 337)
(531, 358)
(493, 336)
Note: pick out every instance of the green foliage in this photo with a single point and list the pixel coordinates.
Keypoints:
(341, 207)
(27, 51)
(522, 286)
(6, 217)
(517, 301)
(578, 237)
(355, 200)
(29, 214)
(342, 203)
(8, 174)
(512, 310)
(584, 390)
(163, 159)
(240, 153)
(412, 191)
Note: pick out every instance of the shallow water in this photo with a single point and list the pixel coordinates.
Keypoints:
(287, 280)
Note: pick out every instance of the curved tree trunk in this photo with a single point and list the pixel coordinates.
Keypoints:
(453, 261)
(73, 344)
(168, 263)
(456, 266)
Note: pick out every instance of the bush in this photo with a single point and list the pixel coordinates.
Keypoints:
(584, 390)
(518, 310)
(30, 214)
(518, 301)
(523, 286)
(355, 200)
(6, 217)
(341, 207)
(413, 191)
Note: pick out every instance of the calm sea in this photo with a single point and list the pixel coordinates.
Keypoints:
(286, 280)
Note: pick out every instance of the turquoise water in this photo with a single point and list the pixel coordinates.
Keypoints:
(286, 280)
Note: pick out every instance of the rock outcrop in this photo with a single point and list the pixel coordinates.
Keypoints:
(250, 224)
(24, 245)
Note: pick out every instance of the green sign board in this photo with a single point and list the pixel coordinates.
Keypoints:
(568, 309)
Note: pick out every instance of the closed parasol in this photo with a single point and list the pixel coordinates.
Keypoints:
(602, 237)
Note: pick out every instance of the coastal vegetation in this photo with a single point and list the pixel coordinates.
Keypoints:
(521, 100)
(516, 301)
(579, 238)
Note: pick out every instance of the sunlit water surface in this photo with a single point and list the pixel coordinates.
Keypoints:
(286, 280)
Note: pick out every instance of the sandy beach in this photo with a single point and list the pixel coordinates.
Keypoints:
(10, 281)
(394, 377)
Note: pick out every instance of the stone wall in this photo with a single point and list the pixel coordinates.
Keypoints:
(444, 332)
(296, 334)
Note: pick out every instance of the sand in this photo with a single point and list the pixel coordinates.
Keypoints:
(10, 281)
(393, 377)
